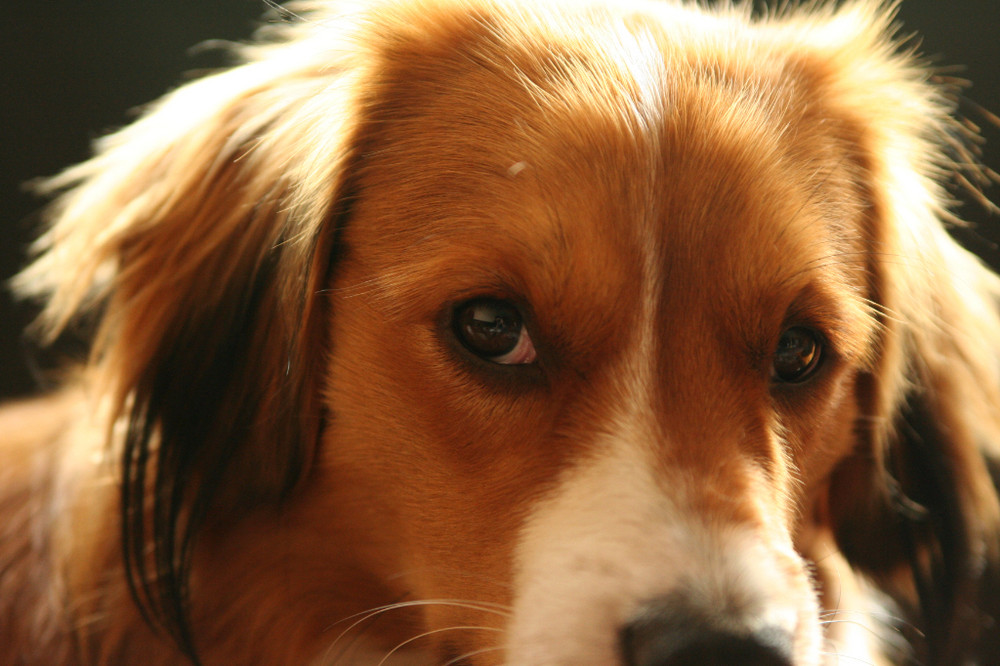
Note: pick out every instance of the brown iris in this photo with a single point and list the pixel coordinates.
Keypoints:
(489, 328)
(797, 355)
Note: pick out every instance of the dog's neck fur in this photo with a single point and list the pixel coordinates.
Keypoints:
(63, 590)
(46, 545)
(33, 594)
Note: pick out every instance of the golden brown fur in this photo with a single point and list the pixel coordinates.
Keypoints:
(285, 449)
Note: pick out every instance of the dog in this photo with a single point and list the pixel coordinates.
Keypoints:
(529, 333)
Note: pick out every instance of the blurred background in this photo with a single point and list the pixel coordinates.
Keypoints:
(70, 71)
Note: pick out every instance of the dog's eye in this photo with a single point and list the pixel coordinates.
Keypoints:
(797, 356)
(494, 330)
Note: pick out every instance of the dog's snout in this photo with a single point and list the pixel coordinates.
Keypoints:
(665, 635)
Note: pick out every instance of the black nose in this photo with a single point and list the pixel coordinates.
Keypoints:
(666, 636)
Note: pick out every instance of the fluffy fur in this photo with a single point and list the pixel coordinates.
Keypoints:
(284, 448)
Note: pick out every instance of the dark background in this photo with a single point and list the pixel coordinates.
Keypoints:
(70, 70)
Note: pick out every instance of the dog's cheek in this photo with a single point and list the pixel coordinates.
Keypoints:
(440, 461)
(820, 435)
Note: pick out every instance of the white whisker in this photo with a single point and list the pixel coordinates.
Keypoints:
(363, 616)
(425, 634)
(473, 653)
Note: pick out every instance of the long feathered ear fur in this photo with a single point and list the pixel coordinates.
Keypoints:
(915, 506)
(201, 238)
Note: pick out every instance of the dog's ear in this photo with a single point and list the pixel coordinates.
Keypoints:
(200, 240)
(915, 506)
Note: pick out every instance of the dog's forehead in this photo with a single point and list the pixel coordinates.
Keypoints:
(538, 162)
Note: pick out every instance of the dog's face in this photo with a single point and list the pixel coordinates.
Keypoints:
(599, 348)
(592, 331)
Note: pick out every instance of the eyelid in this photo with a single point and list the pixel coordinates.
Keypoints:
(847, 325)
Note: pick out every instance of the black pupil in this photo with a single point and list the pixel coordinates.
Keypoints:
(797, 354)
(489, 328)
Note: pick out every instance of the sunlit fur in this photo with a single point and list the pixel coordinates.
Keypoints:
(279, 453)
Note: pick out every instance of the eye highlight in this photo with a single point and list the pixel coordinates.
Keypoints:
(797, 356)
(494, 330)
